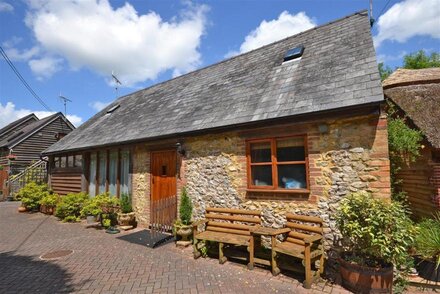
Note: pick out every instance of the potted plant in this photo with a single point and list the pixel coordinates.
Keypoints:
(48, 203)
(376, 237)
(126, 216)
(183, 226)
(31, 194)
(103, 206)
(428, 248)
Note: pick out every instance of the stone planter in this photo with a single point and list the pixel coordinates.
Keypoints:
(362, 279)
(126, 220)
(184, 231)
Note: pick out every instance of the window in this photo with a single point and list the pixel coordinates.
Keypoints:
(56, 161)
(113, 172)
(102, 171)
(78, 160)
(70, 160)
(63, 162)
(277, 164)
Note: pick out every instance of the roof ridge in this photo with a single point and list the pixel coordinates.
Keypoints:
(242, 54)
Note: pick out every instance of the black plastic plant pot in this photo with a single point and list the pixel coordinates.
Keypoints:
(427, 269)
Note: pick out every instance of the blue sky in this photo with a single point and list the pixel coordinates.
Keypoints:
(71, 47)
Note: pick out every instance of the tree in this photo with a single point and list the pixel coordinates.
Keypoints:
(420, 59)
(384, 70)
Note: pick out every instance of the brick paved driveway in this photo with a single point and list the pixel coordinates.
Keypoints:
(101, 263)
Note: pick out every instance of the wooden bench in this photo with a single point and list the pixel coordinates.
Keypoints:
(304, 241)
(227, 226)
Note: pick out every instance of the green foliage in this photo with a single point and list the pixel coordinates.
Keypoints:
(428, 239)
(185, 209)
(384, 70)
(126, 203)
(103, 206)
(420, 59)
(50, 200)
(375, 231)
(69, 207)
(31, 194)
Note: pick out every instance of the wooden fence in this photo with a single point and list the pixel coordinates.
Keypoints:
(163, 214)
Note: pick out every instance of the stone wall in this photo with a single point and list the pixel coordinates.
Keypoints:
(141, 185)
(351, 156)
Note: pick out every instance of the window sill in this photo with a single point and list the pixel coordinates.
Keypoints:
(283, 191)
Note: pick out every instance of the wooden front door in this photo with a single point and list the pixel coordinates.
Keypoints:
(163, 190)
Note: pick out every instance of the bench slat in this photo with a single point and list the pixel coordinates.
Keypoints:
(317, 230)
(230, 225)
(229, 231)
(303, 218)
(296, 241)
(234, 211)
(233, 218)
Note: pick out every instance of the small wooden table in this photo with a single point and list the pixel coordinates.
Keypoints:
(265, 231)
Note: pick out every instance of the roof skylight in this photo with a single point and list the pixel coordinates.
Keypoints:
(293, 53)
(113, 108)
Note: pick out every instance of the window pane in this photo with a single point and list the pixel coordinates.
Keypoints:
(125, 161)
(102, 171)
(260, 152)
(92, 177)
(261, 175)
(57, 161)
(291, 149)
(292, 176)
(78, 160)
(63, 161)
(70, 161)
(112, 172)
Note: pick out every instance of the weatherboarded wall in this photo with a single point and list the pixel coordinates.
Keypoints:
(351, 156)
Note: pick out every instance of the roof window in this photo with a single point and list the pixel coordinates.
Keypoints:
(113, 108)
(293, 53)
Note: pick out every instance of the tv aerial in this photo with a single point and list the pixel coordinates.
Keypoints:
(65, 100)
(117, 82)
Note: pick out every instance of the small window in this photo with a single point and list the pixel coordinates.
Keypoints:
(63, 162)
(113, 108)
(78, 160)
(294, 53)
(164, 170)
(277, 164)
(70, 160)
(56, 161)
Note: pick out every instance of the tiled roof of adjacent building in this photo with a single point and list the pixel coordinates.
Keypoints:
(338, 69)
(417, 93)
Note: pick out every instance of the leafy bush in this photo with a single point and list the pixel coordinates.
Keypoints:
(49, 200)
(69, 207)
(375, 231)
(428, 239)
(31, 194)
(126, 203)
(104, 206)
(185, 209)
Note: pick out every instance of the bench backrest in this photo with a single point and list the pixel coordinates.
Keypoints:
(302, 226)
(232, 221)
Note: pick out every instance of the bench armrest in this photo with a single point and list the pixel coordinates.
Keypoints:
(199, 222)
(282, 231)
(312, 239)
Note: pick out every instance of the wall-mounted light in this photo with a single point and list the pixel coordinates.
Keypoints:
(180, 149)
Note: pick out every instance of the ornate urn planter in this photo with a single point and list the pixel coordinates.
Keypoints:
(126, 220)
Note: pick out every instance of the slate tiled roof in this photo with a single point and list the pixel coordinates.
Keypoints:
(15, 125)
(23, 133)
(338, 69)
(417, 93)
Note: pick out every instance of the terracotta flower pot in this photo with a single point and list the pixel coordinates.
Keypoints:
(22, 209)
(126, 219)
(362, 279)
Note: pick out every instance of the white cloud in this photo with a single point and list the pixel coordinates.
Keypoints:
(46, 66)
(6, 7)
(94, 35)
(270, 31)
(391, 57)
(98, 105)
(8, 114)
(407, 19)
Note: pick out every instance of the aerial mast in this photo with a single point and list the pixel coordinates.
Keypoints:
(65, 100)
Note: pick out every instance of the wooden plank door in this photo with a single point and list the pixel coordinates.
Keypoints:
(163, 190)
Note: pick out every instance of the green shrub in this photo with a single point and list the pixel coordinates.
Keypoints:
(185, 209)
(69, 207)
(428, 239)
(376, 232)
(31, 194)
(126, 203)
(103, 206)
(50, 200)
